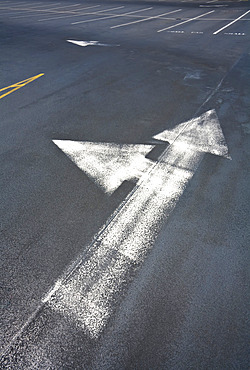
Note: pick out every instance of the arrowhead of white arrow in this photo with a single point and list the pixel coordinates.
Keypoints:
(88, 43)
(204, 133)
(108, 164)
(83, 43)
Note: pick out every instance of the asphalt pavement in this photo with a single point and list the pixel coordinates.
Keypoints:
(125, 197)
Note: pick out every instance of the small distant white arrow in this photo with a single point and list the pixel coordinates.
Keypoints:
(108, 164)
(89, 296)
(88, 43)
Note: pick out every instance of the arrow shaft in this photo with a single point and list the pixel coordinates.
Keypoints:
(88, 296)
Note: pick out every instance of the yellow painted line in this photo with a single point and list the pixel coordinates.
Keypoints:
(18, 85)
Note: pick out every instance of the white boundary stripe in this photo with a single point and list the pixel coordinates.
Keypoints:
(189, 20)
(70, 16)
(229, 24)
(39, 11)
(145, 19)
(82, 14)
(114, 16)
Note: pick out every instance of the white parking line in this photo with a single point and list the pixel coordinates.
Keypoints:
(14, 4)
(41, 6)
(20, 4)
(31, 4)
(27, 9)
(9, 6)
(70, 16)
(81, 14)
(229, 24)
(145, 19)
(189, 20)
(39, 11)
(23, 2)
(113, 16)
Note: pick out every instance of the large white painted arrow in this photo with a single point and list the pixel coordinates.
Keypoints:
(88, 296)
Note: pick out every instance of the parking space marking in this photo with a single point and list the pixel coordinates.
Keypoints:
(176, 31)
(235, 33)
(68, 11)
(50, 10)
(9, 6)
(222, 19)
(187, 32)
(25, 4)
(189, 20)
(92, 13)
(20, 11)
(114, 16)
(229, 24)
(145, 19)
(42, 6)
(18, 85)
(107, 10)
(29, 4)
(21, 2)
(72, 15)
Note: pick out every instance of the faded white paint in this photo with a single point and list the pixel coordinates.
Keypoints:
(108, 164)
(195, 75)
(88, 295)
